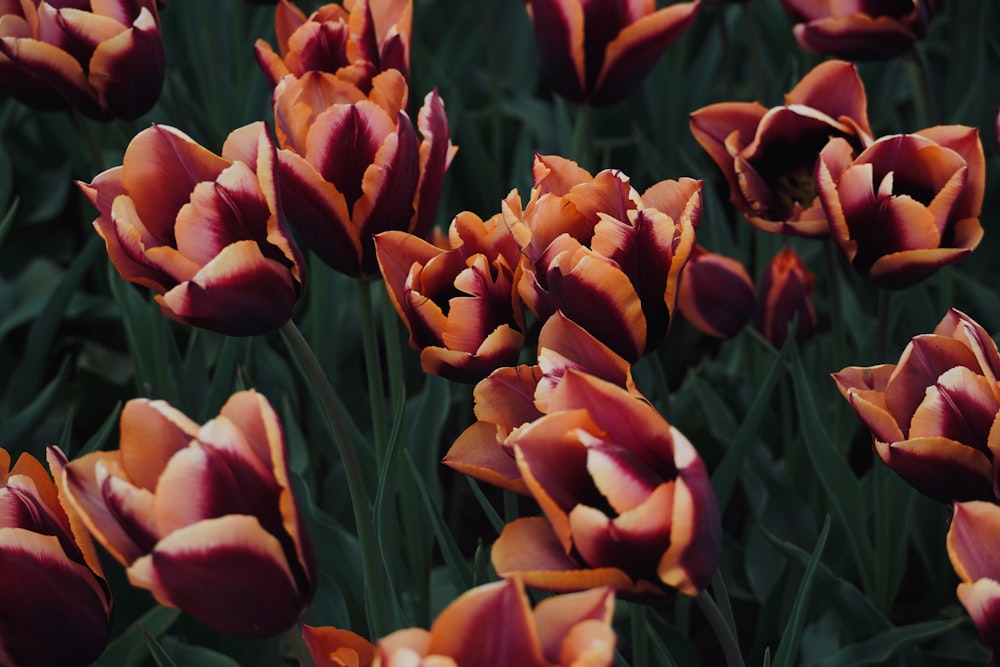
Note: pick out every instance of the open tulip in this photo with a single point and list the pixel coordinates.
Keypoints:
(596, 53)
(869, 30)
(605, 256)
(56, 605)
(768, 156)
(934, 415)
(202, 516)
(908, 204)
(101, 58)
(352, 165)
(207, 233)
(716, 294)
(972, 547)
(627, 500)
(459, 304)
(354, 41)
(785, 295)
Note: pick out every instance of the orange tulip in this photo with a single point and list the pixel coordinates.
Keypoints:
(972, 547)
(205, 232)
(202, 516)
(906, 206)
(352, 165)
(870, 30)
(768, 156)
(785, 294)
(355, 41)
(598, 52)
(934, 414)
(512, 397)
(102, 58)
(716, 294)
(459, 304)
(605, 256)
(56, 604)
(627, 500)
(333, 647)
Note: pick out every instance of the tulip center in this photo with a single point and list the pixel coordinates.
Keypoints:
(793, 186)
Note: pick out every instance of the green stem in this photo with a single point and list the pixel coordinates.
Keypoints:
(836, 302)
(923, 96)
(882, 332)
(337, 421)
(582, 137)
(727, 58)
(373, 369)
(293, 636)
(640, 635)
(727, 640)
(883, 506)
(393, 350)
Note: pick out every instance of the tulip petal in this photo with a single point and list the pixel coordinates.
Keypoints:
(941, 469)
(329, 643)
(858, 36)
(223, 552)
(982, 600)
(56, 71)
(436, 154)
(959, 406)
(500, 348)
(127, 70)
(559, 34)
(478, 454)
(834, 88)
(555, 618)
(974, 527)
(151, 433)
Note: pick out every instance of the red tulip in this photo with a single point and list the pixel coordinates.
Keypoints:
(769, 155)
(598, 52)
(869, 30)
(785, 294)
(605, 256)
(56, 604)
(627, 500)
(203, 516)
(716, 294)
(352, 165)
(459, 304)
(906, 206)
(103, 58)
(972, 547)
(934, 414)
(355, 41)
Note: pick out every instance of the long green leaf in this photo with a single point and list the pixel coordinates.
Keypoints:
(130, 648)
(886, 645)
(789, 644)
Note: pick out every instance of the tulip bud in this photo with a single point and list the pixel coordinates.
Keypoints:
(972, 542)
(202, 516)
(205, 232)
(105, 61)
(716, 294)
(784, 294)
(56, 605)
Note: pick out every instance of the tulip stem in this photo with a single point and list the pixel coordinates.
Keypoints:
(923, 97)
(582, 137)
(836, 302)
(882, 330)
(727, 640)
(337, 421)
(373, 368)
(293, 636)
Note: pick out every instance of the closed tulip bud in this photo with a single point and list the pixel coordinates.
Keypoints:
(56, 605)
(972, 541)
(597, 53)
(458, 304)
(355, 41)
(352, 165)
(716, 294)
(906, 206)
(784, 295)
(768, 156)
(103, 59)
(934, 414)
(870, 30)
(202, 516)
(627, 499)
(605, 256)
(205, 232)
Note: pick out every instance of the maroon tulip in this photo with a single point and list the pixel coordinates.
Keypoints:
(784, 295)
(716, 294)
(972, 547)
(56, 605)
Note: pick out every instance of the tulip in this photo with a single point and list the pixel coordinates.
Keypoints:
(56, 605)
(493, 625)
(768, 156)
(103, 59)
(202, 516)
(870, 30)
(458, 304)
(908, 204)
(627, 500)
(352, 166)
(716, 294)
(333, 647)
(972, 542)
(785, 293)
(597, 53)
(205, 232)
(355, 41)
(934, 414)
(605, 256)
(512, 397)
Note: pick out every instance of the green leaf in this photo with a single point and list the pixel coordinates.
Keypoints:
(96, 441)
(886, 645)
(8, 219)
(157, 652)
(789, 644)
(185, 655)
(130, 648)
(20, 426)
